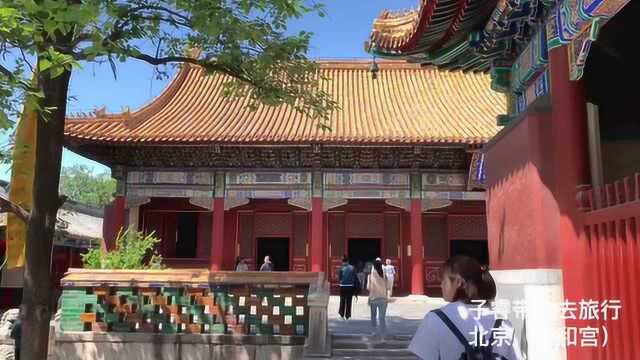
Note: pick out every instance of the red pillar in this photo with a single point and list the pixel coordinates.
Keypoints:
(417, 266)
(216, 257)
(317, 240)
(117, 221)
(569, 121)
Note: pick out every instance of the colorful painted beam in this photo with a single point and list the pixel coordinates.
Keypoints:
(577, 23)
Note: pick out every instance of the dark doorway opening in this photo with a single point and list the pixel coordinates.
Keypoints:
(477, 249)
(187, 235)
(278, 251)
(362, 251)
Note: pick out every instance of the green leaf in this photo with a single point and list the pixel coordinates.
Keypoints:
(5, 123)
(44, 65)
(56, 71)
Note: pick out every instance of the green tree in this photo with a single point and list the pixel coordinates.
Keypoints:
(5, 148)
(245, 39)
(79, 183)
(134, 250)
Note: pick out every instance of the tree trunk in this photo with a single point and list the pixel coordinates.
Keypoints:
(37, 295)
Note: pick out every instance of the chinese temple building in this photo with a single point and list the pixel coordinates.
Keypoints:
(78, 228)
(563, 190)
(398, 175)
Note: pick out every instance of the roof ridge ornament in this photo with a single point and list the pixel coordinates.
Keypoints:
(374, 68)
(100, 112)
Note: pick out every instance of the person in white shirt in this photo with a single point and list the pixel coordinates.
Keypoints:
(467, 287)
(390, 274)
(267, 265)
(378, 298)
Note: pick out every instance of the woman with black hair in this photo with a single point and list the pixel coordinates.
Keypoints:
(378, 287)
(466, 328)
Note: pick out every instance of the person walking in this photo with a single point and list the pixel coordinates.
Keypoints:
(241, 265)
(267, 265)
(368, 265)
(360, 272)
(465, 328)
(348, 283)
(378, 288)
(390, 274)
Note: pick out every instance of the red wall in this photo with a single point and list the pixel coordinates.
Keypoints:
(533, 172)
(522, 214)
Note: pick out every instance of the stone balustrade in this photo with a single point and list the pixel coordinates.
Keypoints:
(192, 314)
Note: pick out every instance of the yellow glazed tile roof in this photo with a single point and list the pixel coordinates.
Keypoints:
(405, 104)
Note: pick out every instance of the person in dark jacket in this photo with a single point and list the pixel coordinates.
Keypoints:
(348, 283)
(16, 335)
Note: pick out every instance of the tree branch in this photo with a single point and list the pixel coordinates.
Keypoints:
(4, 72)
(7, 206)
(7, 73)
(24, 57)
(158, 8)
(208, 64)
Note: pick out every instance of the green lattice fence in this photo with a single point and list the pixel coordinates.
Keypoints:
(214, 309)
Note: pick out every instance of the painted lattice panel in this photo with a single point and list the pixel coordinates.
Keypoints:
(434, 236)
(391, 234)
(467, 227)
(217, 309)
(300, 234)
(365, 225)
(336, 234)
(273, 224)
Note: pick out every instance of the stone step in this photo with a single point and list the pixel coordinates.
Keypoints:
(361, 347)
(369, 353)
(358, 337)
(367, 357)
(369, 344)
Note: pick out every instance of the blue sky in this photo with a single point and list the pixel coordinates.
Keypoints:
(341, 34)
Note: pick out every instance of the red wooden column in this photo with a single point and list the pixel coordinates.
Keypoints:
(569, 122)
(317, 240)
(317, 256)
(117, 220)
(115, 213)
(417, 256)
(216, 256)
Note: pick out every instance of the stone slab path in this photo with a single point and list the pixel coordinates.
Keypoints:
(404, 315)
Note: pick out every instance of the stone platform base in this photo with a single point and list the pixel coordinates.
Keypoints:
(139, 346)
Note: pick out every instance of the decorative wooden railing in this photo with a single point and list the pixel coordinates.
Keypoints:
(610, 217)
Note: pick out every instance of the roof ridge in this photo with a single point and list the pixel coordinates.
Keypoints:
(364, 64)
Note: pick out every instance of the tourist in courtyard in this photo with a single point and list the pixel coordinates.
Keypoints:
(390, 274)
(378, 297)
(241, 264)
(360, 272)
(469, 288)
(348, 284)
(367, 271)
(267, 265)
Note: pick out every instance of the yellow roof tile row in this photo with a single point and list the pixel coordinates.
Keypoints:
(405, 104)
